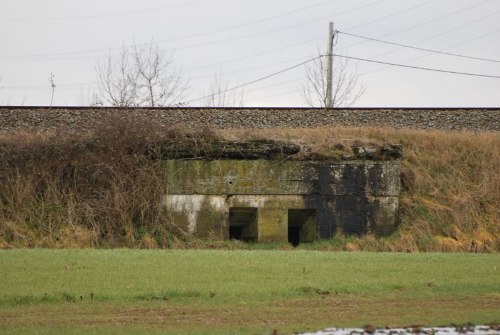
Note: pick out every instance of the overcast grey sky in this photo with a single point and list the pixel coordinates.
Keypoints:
(249, 39)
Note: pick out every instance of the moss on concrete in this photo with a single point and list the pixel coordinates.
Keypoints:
(354, 197)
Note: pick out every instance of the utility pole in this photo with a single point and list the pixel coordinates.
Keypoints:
(329, 102)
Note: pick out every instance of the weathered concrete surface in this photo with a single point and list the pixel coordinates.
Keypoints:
(262, 177)
(214, 148)
(306, 198)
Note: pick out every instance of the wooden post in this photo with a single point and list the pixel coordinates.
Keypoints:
(329, 102)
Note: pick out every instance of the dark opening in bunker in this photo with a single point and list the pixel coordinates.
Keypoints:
(301, 226)
(243, 224)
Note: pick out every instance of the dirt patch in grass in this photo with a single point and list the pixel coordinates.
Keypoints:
(286, 316)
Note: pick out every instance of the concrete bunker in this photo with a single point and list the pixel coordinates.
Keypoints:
(264, 197)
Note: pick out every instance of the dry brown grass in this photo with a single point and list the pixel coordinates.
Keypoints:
(62, 190)
(101, 189)
(451, 181)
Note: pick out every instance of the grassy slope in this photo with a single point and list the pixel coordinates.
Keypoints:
(56, 194)
(451, 186)
(49, 291)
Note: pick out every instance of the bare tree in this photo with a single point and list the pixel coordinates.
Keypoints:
(346, 88)
(118, 78)
(140, 76)
(220, 94)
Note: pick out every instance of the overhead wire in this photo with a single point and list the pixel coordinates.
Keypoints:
(253, 81)
(58, 86)
(277, 29)
(274, 50)
(341, 13)
(342, 56)
(417, 67)
(233, 60)
(373, 3)
(209, 32)
(250, 68)
(301, 64)
(427, 55)
(391, 14)
(461, 26)
(428, 50)
(399, 31)
(197, 45)
(418, 48)
(104, 15)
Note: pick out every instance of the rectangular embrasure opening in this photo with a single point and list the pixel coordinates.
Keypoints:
(243, 224)
(301, 226)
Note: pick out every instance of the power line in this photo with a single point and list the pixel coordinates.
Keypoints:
(280, 83)
(421, 49)
(427, 55)
(68, 86)
(210, 32)
(254, 81)
(18, 56)
(277, 29)
(273, 30)
(255, 55)
(342, 56)
(417, 67)
(373, 3)
(238, 38)
(438, 18)
(98, 16)
(249, 69)
(399, 31)
(466, 24)
(269, 18)
(287, 27)
(461, 26)
(59, 86)
(392, 14)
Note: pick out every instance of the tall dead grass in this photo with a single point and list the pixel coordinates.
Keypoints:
(451, 185)
(98, 189)
(102, 189)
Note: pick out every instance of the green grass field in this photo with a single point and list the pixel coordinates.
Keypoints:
(241, 292)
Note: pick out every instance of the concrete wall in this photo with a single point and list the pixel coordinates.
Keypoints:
(321, 198)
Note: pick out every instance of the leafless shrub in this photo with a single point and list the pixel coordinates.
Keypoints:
(346, 88)
(450, 185)
(220, 94)
(140, 76)
(100, 190)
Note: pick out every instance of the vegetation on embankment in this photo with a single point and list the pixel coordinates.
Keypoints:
(240, 292)
(102, 189)
(451, 186)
